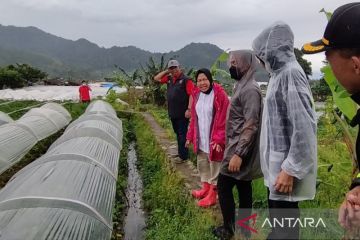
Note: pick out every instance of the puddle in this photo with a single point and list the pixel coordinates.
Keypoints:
(134, 222)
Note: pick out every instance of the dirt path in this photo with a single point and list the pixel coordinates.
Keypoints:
(187, 170)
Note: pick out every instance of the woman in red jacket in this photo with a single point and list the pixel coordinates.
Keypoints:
(207, 133)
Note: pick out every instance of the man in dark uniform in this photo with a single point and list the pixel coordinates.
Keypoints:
(179, 88)
(341, 43)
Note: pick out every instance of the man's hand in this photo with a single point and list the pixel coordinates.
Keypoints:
(349, 212)
(284, 182)
(160, 75)
(235, 163)
(187, 144)
(188, 113)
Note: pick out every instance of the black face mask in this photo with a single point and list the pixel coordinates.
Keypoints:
(234, 73)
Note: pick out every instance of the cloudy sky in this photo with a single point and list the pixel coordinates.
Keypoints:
(164, 25)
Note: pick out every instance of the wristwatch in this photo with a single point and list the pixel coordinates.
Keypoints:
(355, 182)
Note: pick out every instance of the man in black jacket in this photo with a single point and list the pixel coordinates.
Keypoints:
(341, 43)
(179, 88)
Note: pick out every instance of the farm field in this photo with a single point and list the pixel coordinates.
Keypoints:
(162, 189)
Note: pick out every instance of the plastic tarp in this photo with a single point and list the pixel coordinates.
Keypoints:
(4, 118)
(101, 107)
(69, 192)
(18, 137)
(55, 93)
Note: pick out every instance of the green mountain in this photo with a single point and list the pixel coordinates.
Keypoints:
(83, 59)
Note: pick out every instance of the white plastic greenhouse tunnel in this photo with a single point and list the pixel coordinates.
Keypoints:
(4, 118)
(18, 137)
(69, 192)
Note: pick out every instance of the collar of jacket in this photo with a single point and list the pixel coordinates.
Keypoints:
(356, 119)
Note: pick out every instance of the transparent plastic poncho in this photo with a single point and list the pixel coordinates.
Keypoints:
(18, 137)
(288, 134)
(69, 192)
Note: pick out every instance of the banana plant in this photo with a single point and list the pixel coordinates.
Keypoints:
(220, 74)
(216, 67)
(341, 97)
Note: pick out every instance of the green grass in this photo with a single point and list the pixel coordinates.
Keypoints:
(12, 106)
(172, 214)
(162, 118)
(75, 109)
(121, 184)
(334, 167)
(15, 106)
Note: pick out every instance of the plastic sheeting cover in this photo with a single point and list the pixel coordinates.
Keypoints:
(69, 192)
(58, 108)
(18, 137)
(57, 93)
(4, 118)
(101, 107)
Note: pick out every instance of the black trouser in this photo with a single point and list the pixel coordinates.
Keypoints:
(180, 126)
(225, 187)
(280, 210)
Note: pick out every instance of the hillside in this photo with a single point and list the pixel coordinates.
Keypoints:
(84, 59)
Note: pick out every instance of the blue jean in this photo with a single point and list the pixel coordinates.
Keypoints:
(180, 126)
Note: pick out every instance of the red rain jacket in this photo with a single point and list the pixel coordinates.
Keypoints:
(217, 133)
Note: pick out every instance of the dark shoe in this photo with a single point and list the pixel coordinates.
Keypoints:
(222, 233)
(178, 160)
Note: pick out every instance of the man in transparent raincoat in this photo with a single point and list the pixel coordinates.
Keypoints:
(288, 147)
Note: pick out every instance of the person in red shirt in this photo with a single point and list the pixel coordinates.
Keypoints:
(179, 89)
(84, 92)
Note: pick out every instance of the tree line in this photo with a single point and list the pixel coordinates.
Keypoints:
(19, 75)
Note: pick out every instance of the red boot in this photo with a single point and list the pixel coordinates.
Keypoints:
(201, 193)
(210, 198)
